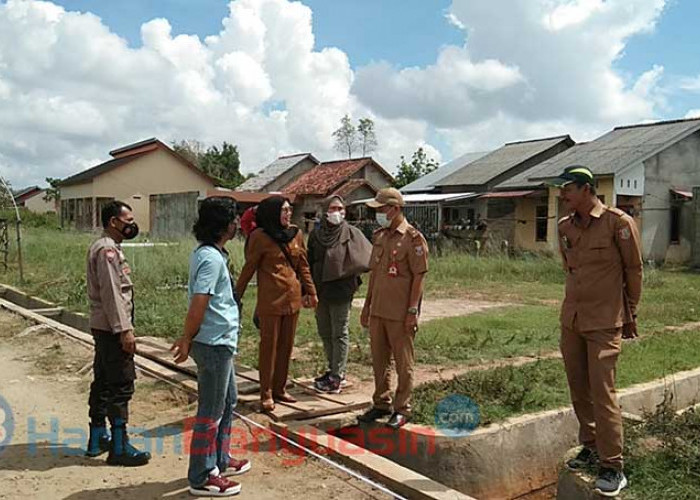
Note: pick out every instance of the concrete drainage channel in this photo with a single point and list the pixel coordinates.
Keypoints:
(513, 459)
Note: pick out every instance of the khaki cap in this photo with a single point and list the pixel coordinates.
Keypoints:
(387, 196)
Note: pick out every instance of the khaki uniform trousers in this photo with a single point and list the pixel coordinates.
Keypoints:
(590, 359)
(276, 344)
(389, 338)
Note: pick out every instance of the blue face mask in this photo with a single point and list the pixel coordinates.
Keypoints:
(383, 220)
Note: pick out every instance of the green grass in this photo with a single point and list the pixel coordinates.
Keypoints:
(509, 391)
(663, 455)
(55, 270)
(506, 332)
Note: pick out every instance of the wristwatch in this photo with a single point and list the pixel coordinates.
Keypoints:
(413, 310)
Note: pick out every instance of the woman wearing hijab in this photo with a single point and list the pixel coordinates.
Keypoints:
(276, 251)
(338, 254)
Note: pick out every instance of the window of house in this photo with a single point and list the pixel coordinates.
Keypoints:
(675, 224)
(622, 183)
(541, 222)
(470, 215)
(635, 184)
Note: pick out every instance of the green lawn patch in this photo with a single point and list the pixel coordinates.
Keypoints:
(509, 391)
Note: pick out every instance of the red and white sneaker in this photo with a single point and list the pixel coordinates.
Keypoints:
(217, 486)
(237, 467)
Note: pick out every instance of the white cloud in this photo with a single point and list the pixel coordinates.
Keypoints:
(693, 113)
(689, 84)
(548, 66)
(71, 89)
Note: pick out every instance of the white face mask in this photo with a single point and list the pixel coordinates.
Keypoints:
(383, 220)
(335, 218)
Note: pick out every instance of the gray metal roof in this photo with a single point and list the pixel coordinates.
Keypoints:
(273, 170)
(613, 152)
(428, 182)
(500, 161)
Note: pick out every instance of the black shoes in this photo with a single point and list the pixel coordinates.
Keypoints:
(610, 482)
(398, 420)
(585, 458)
(373, 414)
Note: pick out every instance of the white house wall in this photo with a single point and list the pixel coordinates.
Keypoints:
(676, 166)
(630, 182)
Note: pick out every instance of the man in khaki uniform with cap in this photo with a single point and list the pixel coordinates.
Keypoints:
(603, 262)
(111, 296)
(398, 265)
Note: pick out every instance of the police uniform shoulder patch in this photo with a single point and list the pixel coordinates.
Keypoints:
(419, 250)
(413, 232)
(616, 211)
(625, 233)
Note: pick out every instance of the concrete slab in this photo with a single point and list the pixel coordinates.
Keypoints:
(403, 481)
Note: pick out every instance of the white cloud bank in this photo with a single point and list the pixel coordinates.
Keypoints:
(71, 89)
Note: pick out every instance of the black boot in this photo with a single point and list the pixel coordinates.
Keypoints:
(99, 441)
(122, 453)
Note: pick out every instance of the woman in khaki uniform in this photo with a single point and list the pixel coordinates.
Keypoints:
(276, 251)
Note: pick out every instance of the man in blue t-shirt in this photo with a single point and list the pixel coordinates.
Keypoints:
(211, 338)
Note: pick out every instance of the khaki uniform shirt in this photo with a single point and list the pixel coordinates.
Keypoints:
(603, 264)
(279, 290)
(109, 287)
(404, 250)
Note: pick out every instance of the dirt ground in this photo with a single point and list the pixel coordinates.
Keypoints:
(447, 308)
(44, 384)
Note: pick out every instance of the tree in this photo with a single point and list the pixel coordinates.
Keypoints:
(346, 137)
(420, 165)
(367, 137)
(191, 149)
(53, 192)
(221, 164)
(6, 195)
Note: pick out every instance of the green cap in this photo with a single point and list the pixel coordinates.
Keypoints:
(575, 173)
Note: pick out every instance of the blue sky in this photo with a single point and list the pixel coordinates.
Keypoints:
(406, 32)
(529, 69)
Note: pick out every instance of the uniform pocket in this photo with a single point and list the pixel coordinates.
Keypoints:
(600, 244)
(376, 257)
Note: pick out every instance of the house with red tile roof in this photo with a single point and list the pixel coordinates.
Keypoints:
(353, 179)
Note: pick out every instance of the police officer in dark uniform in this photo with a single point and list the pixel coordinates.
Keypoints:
(110, 292)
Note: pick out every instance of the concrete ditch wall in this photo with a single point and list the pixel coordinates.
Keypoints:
(516, 457)
(76, 320)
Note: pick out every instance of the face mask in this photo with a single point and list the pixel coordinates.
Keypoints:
(383, 220)
(335, 218)
(129, 231)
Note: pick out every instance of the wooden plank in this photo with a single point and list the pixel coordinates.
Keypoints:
(48, 311)
(311, 390)
(164, 357)
(304, 415)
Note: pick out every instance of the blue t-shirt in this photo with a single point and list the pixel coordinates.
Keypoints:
(209, 275)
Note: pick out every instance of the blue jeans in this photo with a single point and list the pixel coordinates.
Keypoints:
(217, 396)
